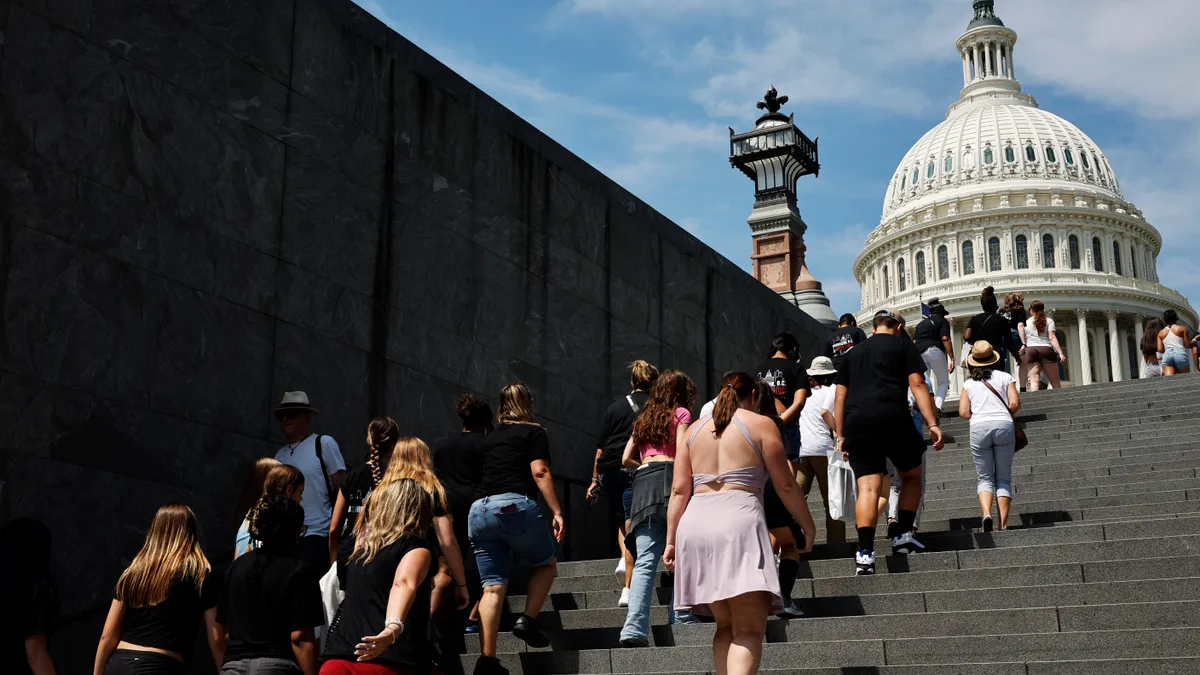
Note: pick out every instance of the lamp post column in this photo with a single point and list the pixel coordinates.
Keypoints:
(1085, 352)
(1114, 346)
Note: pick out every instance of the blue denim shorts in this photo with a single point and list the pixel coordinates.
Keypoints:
(507, 525)
(1177, 359)
(791, 441)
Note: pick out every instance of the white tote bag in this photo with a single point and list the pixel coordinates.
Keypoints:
(843, 491)
(331, 599)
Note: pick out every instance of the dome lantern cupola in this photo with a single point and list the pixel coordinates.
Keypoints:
(989, 74)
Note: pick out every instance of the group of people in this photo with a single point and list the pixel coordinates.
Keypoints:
(341, 571)
(1166, 346)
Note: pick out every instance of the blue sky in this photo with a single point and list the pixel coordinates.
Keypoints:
(645, 90)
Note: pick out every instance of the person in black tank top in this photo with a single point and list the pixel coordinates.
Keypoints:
(384, 618)
(159, 600)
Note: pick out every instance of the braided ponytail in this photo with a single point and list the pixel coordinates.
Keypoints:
(384, 433)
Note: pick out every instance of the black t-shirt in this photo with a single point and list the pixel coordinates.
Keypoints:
(28, 609)
(1015, 317)
(364, 609)
(358, 486)
(785, 378)
(876, 378)
(991, 327)
(507, 454)
(930, 332)
(617, 427)
(842, 341)
(458, 463)
(265, 597)
(172, 623)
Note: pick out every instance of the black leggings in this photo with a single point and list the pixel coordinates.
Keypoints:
(131, 662)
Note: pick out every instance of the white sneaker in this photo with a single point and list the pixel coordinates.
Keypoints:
(790, 608)
(624, 601)
(864, 564)
(906, 543)
(620, 571)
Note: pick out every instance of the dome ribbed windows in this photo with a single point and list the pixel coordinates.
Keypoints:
(1009, 155)
(1030, 154)
(987, 156)
(1022, 245)
(1069, 157)
(1097, 254)
(1050, 156)
(968, 257)
(1073, 251)
(994, 254)
(929, 169)
(1048, 251)
(901, 282)
(948, 164)
(943, 263)
(920, 268)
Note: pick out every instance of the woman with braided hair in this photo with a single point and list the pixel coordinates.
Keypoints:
(282, 480)
(382, 434)
(271, 599)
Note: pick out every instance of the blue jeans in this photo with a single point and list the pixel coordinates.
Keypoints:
(791, 440)
(651, 538)
(505, 525)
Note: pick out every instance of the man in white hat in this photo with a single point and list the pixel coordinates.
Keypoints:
(319, 458)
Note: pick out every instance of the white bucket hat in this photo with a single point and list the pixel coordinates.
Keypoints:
(822, 365)
(295, 400)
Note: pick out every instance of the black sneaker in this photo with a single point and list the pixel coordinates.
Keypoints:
(489, 665)
(987, 523)
(527, 631)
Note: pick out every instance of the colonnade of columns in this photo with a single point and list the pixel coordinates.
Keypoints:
(1109, 352)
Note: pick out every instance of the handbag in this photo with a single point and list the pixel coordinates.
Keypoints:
(843, 490)
(1022, 439)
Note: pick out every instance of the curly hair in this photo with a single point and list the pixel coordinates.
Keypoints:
(277, 522)
(673, 389)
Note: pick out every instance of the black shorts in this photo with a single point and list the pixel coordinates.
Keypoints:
(135, 662)
(615, 481)
(878, 442)
(776, 513)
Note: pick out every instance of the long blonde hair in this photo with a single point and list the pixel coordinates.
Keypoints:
(393, 510)
(516, 405)
(252, 490)
(171, 553)
(412, 460)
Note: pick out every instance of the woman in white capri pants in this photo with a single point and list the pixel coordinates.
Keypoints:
(989, 401)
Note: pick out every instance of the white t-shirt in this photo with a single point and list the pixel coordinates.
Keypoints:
(986, 406)
(707, 408)
(315, 500)
(1035, 339)
(815, 438)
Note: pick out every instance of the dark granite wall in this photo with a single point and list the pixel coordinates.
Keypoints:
(207, 202)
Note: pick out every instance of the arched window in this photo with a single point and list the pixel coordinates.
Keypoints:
(1030, 154)
(943, 263)
(1073, 250)
(1097, 254)
(887, 283)
(920, 268)
(1133, 263)
(948, 164)
(994, 254)
(968, 257)
(1050, 156)
(1117, 257)
(1022, 245)
(1009, 155)
(1048, 251)
(903, 181)
(916, 177)
(1068, 156)
(987, 156)
(929, 169)
(901, 282)
(1083, 156)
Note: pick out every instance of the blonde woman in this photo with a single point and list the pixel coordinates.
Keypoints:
(159, 599)
(505, 521)
(411, 459)
(382, 624)
(282, 480)
(252, 491)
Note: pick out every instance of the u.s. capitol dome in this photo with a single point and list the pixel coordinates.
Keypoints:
(1005, 194)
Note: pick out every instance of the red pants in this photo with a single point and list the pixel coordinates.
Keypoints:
(339, 667)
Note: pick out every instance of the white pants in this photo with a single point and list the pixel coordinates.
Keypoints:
(939, 370)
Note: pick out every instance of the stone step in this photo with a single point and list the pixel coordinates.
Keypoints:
(1083, 468)
(1163, 666)
(1133, 645)
(940, 498)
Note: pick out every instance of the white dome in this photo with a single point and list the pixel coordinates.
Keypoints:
(1022, 142)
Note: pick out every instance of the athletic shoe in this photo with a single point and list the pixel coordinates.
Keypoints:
(634, 642)
(624, 601)
(906, 543)
(620, 571)
(790, 608)
(526, 630)
(987, 523)
(864, 562)
(472, 628)
(489, 665)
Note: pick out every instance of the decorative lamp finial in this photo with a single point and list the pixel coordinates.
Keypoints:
(772, 101)
(985, 14)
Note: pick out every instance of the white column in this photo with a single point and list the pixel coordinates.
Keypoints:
(1138, 331)
(1012, 69)
(1114, 346)
(1085, 355)
(999, 62)
(975, 60)
(987, 59)
(966, 68)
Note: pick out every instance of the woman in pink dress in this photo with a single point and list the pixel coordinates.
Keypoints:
(717, 541)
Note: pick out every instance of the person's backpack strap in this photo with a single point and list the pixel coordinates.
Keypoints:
(325, 474)
(633, 404)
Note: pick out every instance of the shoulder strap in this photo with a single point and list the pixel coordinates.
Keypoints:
(329, 494)
(746, 433)
(696, 429)
(633, 404)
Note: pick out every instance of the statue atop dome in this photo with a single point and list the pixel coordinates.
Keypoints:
(772, 101)
(985, 14)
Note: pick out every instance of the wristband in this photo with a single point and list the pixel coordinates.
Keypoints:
(394, 622)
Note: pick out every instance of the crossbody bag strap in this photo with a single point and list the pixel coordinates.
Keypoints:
(325, 473)
(1002, 399)
(633, 404)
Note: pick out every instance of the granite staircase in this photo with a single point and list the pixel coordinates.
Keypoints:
(1099, 572)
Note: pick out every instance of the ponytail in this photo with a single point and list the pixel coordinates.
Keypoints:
(384, 433)
(1039, 316)
(736, 387)
(642, 375)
